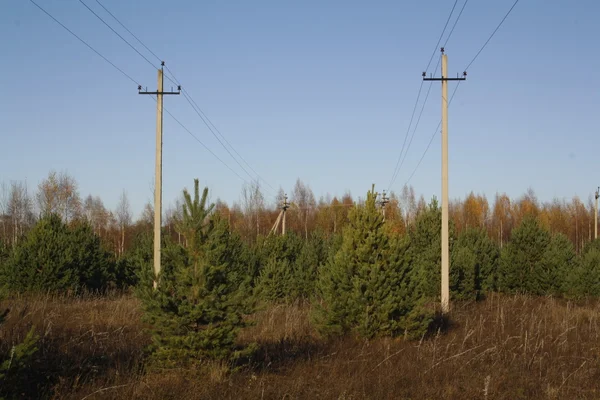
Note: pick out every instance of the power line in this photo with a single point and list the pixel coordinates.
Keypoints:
(187, 95)
(492, 35)
(214, 129)
(417, 123)
(431, 140)
(455, 22)
(134, 81)
(85, 43)
(435, 49)
(456, 88)
(131, 33)
(203, 145)
(118, 34)
(396, 168)
(226, 141)
(215, 135)
(398, 162)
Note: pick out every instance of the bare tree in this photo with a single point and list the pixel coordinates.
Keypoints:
(19, 210)
(47, 196)
(123, 214)
(254, 202)
(59, 194)
(305, 200)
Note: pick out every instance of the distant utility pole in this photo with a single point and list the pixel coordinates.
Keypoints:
(596, 215)
(384, 201)
(284, 208)
(158, 170)
(445, 245)
(281, 217)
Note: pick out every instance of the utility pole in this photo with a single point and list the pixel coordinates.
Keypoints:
(158, 167)
(384, 201)
(284, 208)
(445, 242)
(596, 215)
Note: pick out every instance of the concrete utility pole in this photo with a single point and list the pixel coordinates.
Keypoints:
(596, 215)
(384, 201)
(284, 208)
(158, 168)
(445, 242)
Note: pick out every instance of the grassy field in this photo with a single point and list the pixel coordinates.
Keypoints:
(502, 348)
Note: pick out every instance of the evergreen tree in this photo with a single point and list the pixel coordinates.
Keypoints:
(365, 287)
(534, 261)
(426, 244)
(584, 279)
(16, 363)
(473, 264)
(196, 311)
(54, 257)
(290, 267)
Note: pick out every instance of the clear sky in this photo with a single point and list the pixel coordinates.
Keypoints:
(320, 90)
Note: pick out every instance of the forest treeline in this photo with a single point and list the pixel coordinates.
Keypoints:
(362, 274)
(253, 216)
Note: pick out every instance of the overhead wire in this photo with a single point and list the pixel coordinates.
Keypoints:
(85, 43)
(455, 22)
(456, 88)
(134, 81)
(128, 31)
(117, 33)
(402, 150)
(492, 35)
(174, 80)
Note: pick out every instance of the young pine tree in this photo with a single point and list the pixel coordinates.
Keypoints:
(473, 264)
(584, 279)
(426, 241)
(196, 311)
(534, 261)
(54, 257)
(365, 287)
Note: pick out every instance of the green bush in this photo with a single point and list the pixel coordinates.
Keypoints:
(366, 287)
(55, 257)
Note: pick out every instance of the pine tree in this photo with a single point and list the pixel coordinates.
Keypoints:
(473, 264)
(54, 257)
(15, 365)
(534, 261)
(290, 267)
(196, 311)
(365, 287)
(584, 280)
(425, 239)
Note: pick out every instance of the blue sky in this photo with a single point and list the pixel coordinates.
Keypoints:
(317, 90)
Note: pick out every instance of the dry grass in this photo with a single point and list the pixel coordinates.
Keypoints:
(503, 348)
